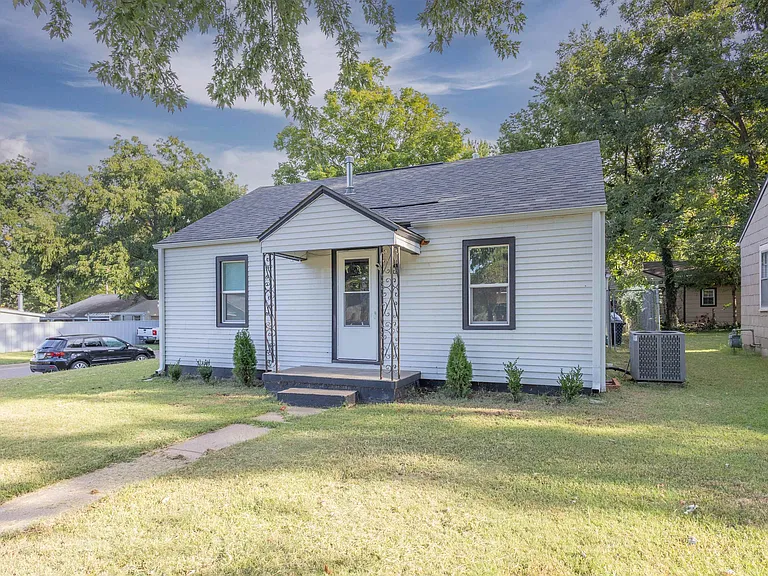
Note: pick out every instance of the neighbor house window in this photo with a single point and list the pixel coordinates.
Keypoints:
(709, 297)
(232, 291)
(764, 278)
(489, 284)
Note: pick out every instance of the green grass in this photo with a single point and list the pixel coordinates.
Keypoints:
(15, 357)
(56, 426)
(442, 486)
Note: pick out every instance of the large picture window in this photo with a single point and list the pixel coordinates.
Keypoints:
(489, 289)
(232, 291)
(764, 278)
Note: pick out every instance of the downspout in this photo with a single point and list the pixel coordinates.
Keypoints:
(161, 306)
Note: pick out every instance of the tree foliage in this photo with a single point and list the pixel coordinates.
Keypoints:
(381, 128)
(137, 197)
(257, 49)
(86, 234)
(677, 97)
(33, 246)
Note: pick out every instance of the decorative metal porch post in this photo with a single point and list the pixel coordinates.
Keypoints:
(389, 311)
(270, 312)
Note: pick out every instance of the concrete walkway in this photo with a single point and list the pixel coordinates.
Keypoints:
(22, 512)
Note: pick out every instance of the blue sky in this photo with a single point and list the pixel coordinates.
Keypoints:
(53, 111)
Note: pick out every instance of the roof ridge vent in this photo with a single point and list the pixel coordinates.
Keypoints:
(349, 161)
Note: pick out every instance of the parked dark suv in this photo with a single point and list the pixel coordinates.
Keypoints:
(84, 350)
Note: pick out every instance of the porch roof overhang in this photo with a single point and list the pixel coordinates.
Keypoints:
(326, 220)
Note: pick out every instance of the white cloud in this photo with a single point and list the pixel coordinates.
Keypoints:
(253, 167)
(12, 147)
(64, 140)
(60, 140)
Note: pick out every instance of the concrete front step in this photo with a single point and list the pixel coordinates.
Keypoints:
(317, 397)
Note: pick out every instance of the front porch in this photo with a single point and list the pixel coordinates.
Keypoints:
(370, 387)
(361, 303)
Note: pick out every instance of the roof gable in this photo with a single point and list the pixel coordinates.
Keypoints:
(327, 220)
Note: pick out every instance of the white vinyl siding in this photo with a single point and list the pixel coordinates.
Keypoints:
(326, 224)
(754, 242)
(191, 333)
(554, 304)
(764, 279)
(554, 300)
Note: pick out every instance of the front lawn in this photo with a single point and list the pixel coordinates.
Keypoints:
(60, 425)
(15, 357)
(651, 479)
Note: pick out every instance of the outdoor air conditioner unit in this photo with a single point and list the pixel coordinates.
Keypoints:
(657, 356)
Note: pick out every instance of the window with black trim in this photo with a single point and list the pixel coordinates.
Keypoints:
(709, 297)
(232, 291)
(488, 277)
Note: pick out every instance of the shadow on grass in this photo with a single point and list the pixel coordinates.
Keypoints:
(510, 462)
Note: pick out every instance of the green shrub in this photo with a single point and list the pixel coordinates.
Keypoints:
(204, 370)
(244, 358)
(571, 384)
(458, 372)
(514, 379)
(174, 370)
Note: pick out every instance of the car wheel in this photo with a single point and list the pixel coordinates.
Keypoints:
(141, 357)
(78, 364)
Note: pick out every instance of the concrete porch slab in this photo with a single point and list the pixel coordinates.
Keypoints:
(364, 381)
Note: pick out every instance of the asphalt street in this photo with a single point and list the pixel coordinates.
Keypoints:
(14, 371)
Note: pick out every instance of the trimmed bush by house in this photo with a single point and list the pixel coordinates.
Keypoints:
(244, 358)
(174, 370)
(204, 370)
(514, 379)
(571, 384)
(458, 372)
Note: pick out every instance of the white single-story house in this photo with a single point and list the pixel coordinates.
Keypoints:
(754, 275)
(371, 278)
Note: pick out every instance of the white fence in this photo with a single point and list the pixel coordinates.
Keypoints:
(29, 335)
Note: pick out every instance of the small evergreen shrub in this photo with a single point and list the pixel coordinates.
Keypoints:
(174, 371)
(458, 372)
(514, 379)
(244, 358)
(204, 370)
(571, 384)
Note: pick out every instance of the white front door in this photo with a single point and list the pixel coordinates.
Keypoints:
(357, 305)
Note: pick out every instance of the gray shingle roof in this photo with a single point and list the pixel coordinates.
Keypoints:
(545, 179)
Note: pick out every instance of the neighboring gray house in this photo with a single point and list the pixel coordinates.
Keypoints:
(106, 307)
(371, 279)
(754, 275)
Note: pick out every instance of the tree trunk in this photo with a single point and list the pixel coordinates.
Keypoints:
(733, 303)
(670, 286)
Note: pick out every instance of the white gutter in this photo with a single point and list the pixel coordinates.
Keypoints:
(161, 305)
(194, 243)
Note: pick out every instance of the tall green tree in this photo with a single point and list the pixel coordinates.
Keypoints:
(257, 48)
(33, 248)
(677, 98)
(382, 128)
(136, 197)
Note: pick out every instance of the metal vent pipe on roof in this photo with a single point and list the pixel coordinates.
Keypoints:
(349, 161)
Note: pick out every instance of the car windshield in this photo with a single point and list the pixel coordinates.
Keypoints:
(53, 344)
